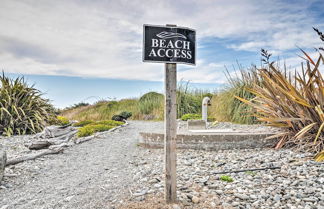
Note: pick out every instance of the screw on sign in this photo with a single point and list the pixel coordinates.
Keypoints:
(170, 45)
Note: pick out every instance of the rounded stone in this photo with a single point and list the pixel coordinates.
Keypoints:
(195, 199)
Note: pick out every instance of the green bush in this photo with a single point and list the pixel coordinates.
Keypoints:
(62, 121)
(93, 128)
(117, 118)
(89, 127)
(83, 123)
(190, 116)
(22, 108)
(126, 114)
(85, 131)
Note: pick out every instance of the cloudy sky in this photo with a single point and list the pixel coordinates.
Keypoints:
(79, 49)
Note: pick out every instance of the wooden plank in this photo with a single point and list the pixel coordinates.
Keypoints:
(170, 119)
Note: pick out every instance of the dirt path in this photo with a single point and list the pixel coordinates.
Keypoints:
(91, 175)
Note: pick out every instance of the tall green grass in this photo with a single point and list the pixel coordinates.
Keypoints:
(189, 99)
(226, 108)
(150, 106)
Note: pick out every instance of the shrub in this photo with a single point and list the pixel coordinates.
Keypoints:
(83, 123)
(22, 108)
(126, 114)
(62, 121)
(93, 128)
(90, 127)
(85, 131)
(190, 116)
(117, 118)
(294, 104)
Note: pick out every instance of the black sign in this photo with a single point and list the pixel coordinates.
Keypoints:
(169, 44)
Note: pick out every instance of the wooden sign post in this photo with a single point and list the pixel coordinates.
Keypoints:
(170, 126)
(170, 45)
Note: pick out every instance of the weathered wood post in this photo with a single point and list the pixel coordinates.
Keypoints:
(170, 126)
(170, 44)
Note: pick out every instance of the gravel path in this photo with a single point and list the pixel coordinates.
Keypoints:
(94, 174)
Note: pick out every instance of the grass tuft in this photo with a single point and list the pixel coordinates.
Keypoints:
(226, 178)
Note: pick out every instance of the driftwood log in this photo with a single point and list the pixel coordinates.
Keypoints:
(52, 135)
(53, 140)
(33, 156)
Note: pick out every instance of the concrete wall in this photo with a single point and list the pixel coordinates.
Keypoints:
(221, 141)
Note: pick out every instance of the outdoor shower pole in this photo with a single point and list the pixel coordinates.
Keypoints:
(170, 125)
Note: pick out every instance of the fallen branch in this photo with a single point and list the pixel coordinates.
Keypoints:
(33, 156)
(245, 170)
(84, 139)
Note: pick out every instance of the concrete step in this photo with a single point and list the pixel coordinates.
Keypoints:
(211, 140)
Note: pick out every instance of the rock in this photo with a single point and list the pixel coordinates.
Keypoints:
(153, 181)
(277, 198)
(69, 198)
(213, 186)
(242, 196)
(195, 199)
(213, 205)
(235, 204)
(141, 193)
(3, 161)
(310, 199)
(175, 206)
(219, 192)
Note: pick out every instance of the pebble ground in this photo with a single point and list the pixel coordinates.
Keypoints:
(112, 171)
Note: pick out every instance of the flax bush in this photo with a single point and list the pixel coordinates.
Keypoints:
(23, 110)
(293, 103)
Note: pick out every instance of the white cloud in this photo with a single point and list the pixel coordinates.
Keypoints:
(104, 38)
